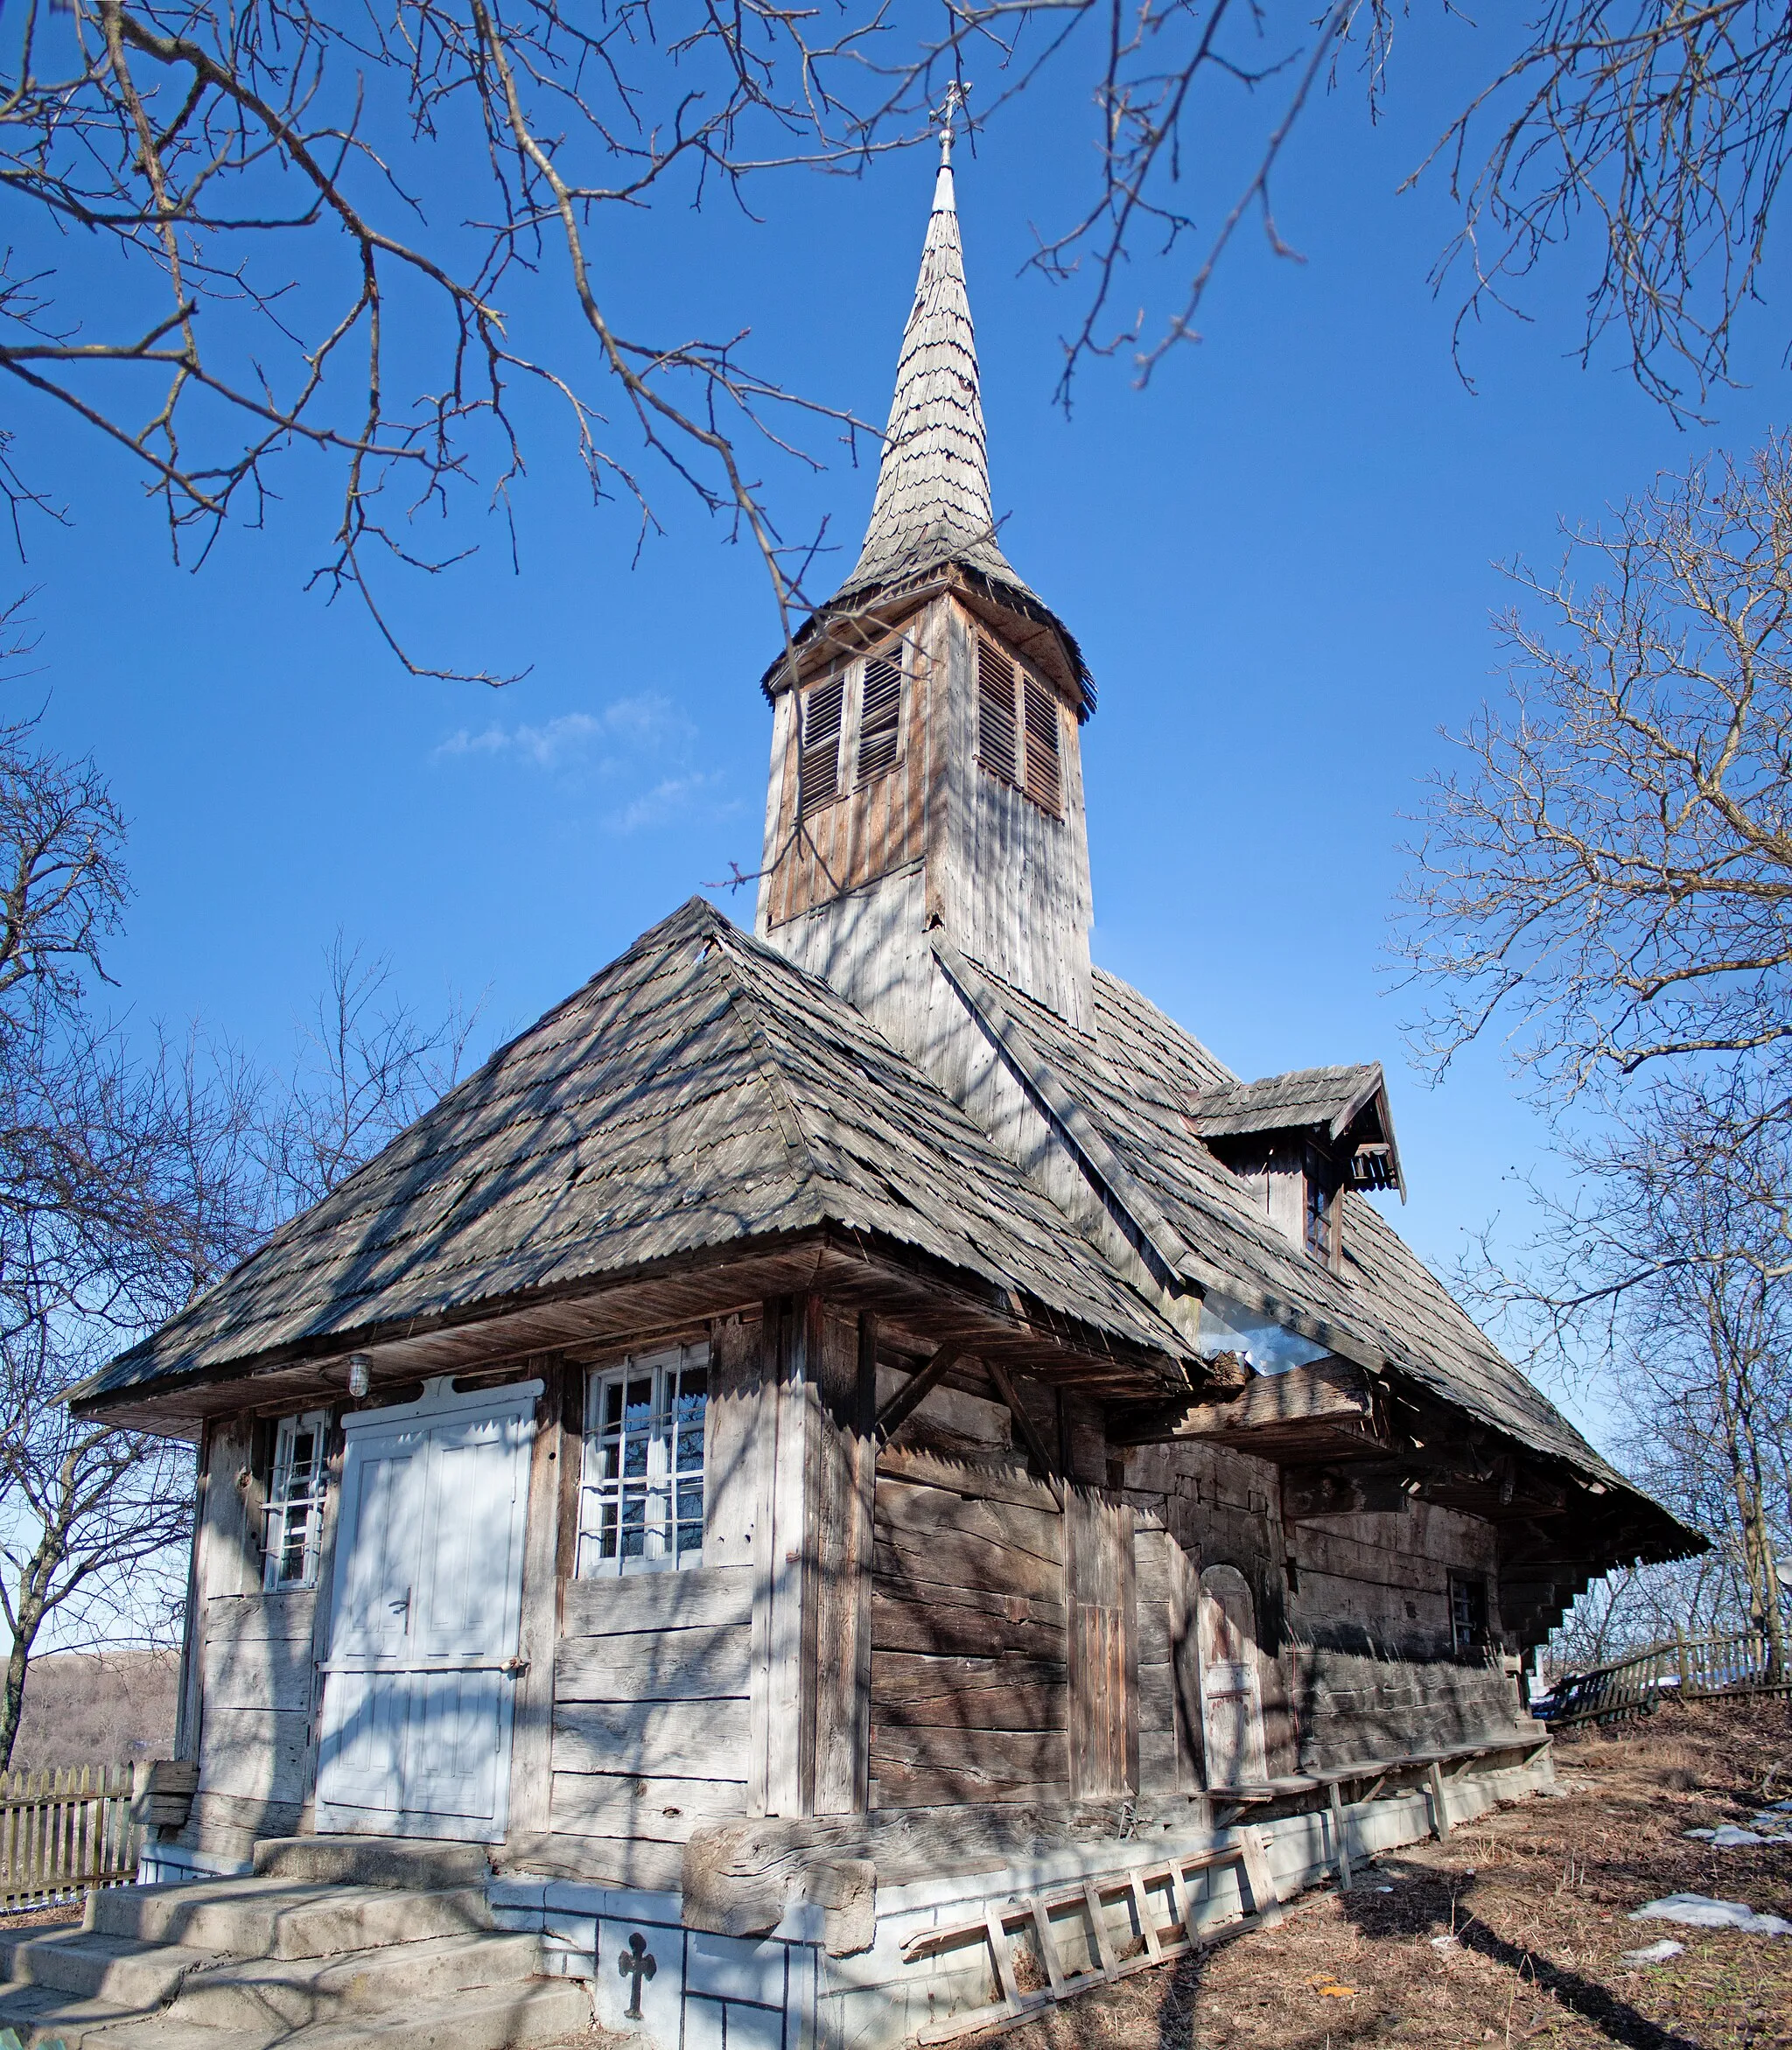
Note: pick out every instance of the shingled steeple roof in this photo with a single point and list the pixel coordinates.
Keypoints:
(933, 502)
(933, 506)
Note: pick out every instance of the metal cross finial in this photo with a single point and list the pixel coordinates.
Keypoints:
(957, 94)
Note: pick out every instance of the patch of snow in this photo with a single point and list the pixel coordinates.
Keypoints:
(1699, 1911)
(1654, 1953)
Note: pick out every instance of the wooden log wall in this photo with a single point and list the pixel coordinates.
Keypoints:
(1373, 1667)
(969, 1644)
(1222, 1508)
(248, 1687)
(651, 1687)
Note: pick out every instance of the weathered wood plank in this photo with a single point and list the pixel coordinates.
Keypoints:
(1038, 1707)
(665, 1739)
(986, 1756)
(665, 1811)
(907, 1507)
(897, 1787)
(982, 1481)
(254, 1672)
(254, 1754)
(615, 1861)
(269, 1618)
(700, 1597)
(958, 1630)
(677, 1665)
(955, 1559)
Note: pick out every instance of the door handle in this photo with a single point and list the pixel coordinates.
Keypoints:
(402, 1606)
(515, 1667)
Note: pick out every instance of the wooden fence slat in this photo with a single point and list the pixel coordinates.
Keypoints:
(1737, 1664)
(63, 1829)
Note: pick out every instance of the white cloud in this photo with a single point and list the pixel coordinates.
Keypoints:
(675, 797)
(647, 725)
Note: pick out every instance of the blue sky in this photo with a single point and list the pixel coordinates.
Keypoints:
(1279, 557)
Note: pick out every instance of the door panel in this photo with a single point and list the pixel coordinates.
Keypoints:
(382, 1526)
(1231, 1697)
(418, 1697)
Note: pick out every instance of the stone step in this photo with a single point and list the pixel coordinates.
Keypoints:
(263, 1993)
(498, 2018)
(419, 1864)
(90, 1966)
(42, 2015)
(280, 1917)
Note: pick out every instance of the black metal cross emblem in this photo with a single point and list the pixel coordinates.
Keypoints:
(636, 1963)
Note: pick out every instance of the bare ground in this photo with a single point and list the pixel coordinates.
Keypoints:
(1536, 1895)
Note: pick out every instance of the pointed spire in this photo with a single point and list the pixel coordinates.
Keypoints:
(933, 502)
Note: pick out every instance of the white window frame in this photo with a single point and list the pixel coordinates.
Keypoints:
(662, 1485)
(297, 1491)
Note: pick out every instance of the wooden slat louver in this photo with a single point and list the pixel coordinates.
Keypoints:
(880, 714)
(1044, 774)
(818, 756)
(998, 740)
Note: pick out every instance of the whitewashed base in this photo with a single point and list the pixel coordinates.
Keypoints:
(783, 1992)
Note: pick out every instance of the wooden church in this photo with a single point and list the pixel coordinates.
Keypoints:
(872, 1398)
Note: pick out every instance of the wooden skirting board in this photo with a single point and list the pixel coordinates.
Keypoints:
(1033, 1914)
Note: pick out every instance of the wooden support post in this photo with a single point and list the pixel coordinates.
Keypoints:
(1440, 1820)
(782, 1710)
(532, 1741)
(846, 1366)
(1340, 1849)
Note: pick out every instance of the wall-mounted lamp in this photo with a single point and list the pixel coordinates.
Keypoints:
(360, 1375)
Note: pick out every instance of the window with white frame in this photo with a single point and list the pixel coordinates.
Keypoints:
(641, 1487)
(292, 1523)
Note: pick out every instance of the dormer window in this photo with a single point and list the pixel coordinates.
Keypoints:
(852, 718)
(1324, 1213)
(1017, 727)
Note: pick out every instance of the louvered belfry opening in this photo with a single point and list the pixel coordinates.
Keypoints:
(879, 713)
(998, 745)
(818, 756)
(1016, 728)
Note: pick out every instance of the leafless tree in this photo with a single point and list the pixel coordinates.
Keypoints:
(1607, 880)
(1665, 1282)
(365, 1066)
(1660, 132)
(131, 1178)
(308, 227)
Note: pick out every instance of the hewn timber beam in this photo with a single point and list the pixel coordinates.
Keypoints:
(914, 1393)
(1025, 1424)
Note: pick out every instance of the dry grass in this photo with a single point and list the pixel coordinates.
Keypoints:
(104, 1710)
(1536, 1896)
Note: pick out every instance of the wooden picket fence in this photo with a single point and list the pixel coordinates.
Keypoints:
(1686, 1668)
(64, 1829)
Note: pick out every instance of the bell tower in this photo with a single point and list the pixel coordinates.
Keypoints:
(925, 784)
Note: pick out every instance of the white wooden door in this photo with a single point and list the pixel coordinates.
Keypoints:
(1232, 1712)
(419, 1687)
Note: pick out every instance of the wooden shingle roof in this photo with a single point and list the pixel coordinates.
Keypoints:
(933, 510)
(696, 1094)
(1142, 1079)
(1306, 1098)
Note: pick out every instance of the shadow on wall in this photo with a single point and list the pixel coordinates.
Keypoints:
(109, 1707)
